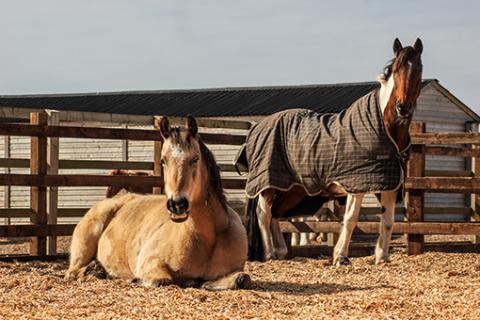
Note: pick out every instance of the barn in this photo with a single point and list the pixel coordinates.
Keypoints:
(437, 107)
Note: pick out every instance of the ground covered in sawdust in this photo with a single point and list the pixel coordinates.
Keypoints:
(433, 285)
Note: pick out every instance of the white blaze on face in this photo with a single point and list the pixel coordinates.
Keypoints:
(386, 91)
(176, 152)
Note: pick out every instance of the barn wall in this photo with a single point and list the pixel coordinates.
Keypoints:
(436, 110)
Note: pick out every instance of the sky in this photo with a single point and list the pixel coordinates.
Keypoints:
(63, 46)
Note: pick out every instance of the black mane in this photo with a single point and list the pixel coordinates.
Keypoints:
(403, 57)
(213, 173)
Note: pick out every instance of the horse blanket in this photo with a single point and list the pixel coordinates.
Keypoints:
(301, 147)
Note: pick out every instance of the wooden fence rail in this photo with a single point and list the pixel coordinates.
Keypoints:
(418, 180)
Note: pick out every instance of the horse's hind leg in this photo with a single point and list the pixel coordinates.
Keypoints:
(232, 281)
(388, 200)
(281, 250)
(350, 219)
(87, 233)
(83, 248)
(264, 216)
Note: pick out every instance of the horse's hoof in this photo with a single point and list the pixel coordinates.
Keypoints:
(96, 269)
(157, 283)
(243, 281)
(382, 261)
(343, 261)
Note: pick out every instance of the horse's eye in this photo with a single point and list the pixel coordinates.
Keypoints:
(163, 163)
(194, 161)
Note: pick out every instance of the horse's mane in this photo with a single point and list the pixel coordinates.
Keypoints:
(213, 173)
(403, 57)
(212, 168)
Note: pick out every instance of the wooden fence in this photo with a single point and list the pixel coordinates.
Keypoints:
(44, 165)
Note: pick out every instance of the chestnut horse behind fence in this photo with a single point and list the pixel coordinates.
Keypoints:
(113, 190)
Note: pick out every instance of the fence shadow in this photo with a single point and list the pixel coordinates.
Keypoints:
(307, 289)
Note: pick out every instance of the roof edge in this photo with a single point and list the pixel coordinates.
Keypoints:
(450, 96)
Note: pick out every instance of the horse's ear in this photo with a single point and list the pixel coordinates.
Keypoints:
(192, 126)
(418, 46)
(397, 46)
(165, 128)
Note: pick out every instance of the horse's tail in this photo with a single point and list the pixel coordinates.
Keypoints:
(255, 246)
(88, 231)
(240, 161)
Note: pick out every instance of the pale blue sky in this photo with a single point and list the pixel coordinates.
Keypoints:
(54, 46)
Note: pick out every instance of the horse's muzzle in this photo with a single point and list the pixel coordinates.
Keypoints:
(179, 209)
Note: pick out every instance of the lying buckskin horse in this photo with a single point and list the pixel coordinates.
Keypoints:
(298, 155)
(188, 237)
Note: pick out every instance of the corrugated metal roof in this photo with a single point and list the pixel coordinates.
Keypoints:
(202, 102)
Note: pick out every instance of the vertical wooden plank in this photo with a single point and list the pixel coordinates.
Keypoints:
(125, 147)
(7, 189)
(52, 160)
(415, 198)
(38, 197)
(473, 164)
(157, 155)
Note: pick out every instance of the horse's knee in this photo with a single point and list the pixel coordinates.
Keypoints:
(388, 226)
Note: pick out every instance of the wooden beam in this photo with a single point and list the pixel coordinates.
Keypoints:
(7, 189)
(53, 163)
(26, 258)
(104, 164)
(473, 164)
(452, 152)
(414, 197)
(444, 184)
(32, 230)
(445, 137)
(107, 133)
(80, 180)
(412, 228)
(214, 123)
(85, 180)
(157, 156)
(38, 197)
(98, 164)
(448, 173)
(16, 212)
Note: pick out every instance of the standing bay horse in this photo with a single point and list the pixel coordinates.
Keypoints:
(188, 237)
(301, 158)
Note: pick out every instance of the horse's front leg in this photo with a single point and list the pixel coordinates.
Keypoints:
(232, 281)
(387, 200)
(153, 272)
(350, 219)
(264, 216)
(280, 246)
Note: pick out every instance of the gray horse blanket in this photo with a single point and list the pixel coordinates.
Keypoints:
(302, 147)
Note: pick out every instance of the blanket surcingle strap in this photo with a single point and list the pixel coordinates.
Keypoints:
(301, 147)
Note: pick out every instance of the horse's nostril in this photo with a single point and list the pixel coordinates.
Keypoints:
(171, 206)
(182, 204)
(179, 205)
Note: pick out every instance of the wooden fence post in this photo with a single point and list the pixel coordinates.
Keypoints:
(157, 155)
(7, 189)
(473, 165)
(52, 160)
(38, 195)
(415, 198)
